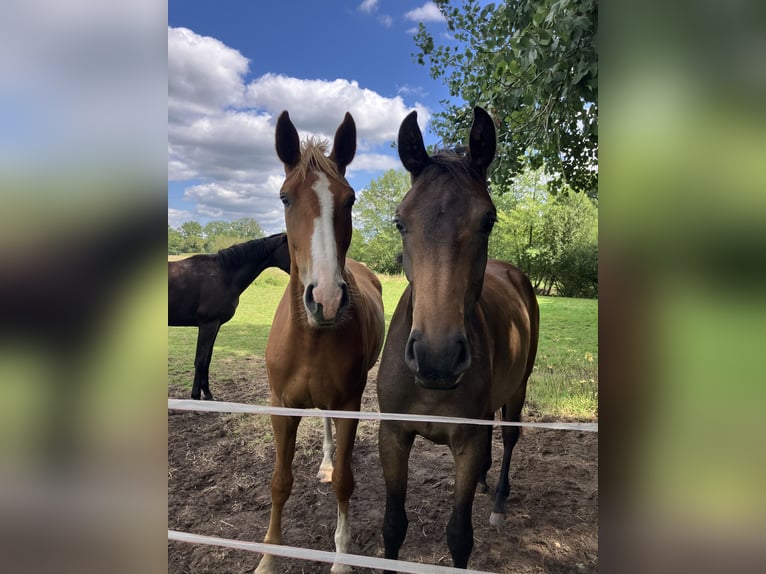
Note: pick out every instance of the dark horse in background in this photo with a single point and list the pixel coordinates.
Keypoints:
(204, 290)
(463, 338)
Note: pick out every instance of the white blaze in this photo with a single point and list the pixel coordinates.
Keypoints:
(324, 252)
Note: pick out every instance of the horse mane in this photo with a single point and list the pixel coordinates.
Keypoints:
(313, 157)
(457, 163)
(254, 250)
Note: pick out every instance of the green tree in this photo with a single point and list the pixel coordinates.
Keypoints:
(220, 241)
(571, 235)
(246, 229)
(192, 237)
(533, 65)
(375, 240)
(517, 234)
(552, 238)
(221, 234)
(175, 241)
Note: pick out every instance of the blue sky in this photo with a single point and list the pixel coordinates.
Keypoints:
(234, 65)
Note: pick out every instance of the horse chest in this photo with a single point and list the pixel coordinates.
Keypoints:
(309, 377)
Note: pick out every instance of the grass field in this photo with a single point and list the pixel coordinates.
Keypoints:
(564, 384)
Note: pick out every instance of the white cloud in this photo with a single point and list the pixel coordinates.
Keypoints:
(221, 129)
(408, 90)
(228, 145)
(371, 7)
(428, 12)
(373, 162)
(204, 75)
(232, 200)
(176, 217)
(318, 106)
(368, 6)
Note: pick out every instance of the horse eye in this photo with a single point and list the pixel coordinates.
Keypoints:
(399, 226)
(488, 224)
(285, 200)
(350, 202)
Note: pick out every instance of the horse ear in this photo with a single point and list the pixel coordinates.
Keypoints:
(344, 145)
(482, 142)
(412, 150)
(287, 141)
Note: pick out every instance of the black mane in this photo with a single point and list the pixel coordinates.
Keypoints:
(254, 250)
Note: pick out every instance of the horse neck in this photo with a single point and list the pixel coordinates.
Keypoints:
(249, 260)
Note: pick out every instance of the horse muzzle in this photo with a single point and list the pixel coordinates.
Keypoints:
(438, 384)
(326, 311)
(437, 367)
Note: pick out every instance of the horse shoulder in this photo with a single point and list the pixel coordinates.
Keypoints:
(512, 280)
(510, 305)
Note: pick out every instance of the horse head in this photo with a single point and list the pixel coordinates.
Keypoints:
(317, 200)
(445, 220)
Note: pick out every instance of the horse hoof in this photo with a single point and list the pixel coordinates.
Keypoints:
(497, 519)
(340, 569)
(209, 398)
(325, 474)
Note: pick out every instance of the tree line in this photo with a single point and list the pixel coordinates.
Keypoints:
(552, 237)
(193, 237)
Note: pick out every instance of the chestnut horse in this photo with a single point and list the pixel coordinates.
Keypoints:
(463, 338)
(329, 327)
(204, 290)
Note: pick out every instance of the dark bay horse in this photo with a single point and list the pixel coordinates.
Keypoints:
(329, 327)
(204, 290)
(463, 338)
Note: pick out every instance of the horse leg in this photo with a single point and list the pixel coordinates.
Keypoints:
(328, 450)
(394, 446)
(510, 437)
(285, 431)
(343, 485)
(483, 487)
(205, 340)
(470, 458)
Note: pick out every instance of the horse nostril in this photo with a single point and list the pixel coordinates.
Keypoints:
(462, 355)
(410, 358)
(344, 298)
(308, 298)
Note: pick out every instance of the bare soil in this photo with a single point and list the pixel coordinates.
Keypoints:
(219, 473)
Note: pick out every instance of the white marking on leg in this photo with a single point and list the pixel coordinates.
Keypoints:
(342, 540)
(328, 450)
(324, 253)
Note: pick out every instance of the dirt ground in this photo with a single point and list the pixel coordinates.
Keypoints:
(220, 465)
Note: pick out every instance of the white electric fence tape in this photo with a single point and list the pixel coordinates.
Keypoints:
(225, 407)
(320, 555)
